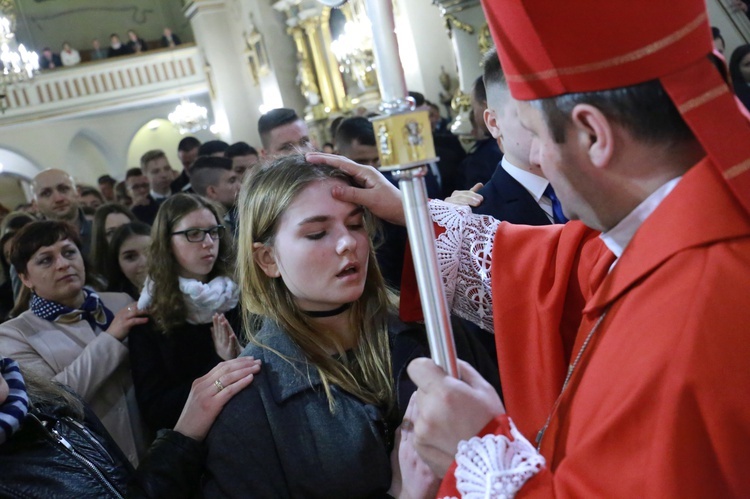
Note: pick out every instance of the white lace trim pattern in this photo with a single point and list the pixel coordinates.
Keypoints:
(493, 467)
(464, 253)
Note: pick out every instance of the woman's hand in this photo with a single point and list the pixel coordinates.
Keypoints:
(226, 344)
(125, 319)
(210, 392)
(412, 478)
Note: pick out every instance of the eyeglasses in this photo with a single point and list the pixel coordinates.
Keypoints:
(199, 235)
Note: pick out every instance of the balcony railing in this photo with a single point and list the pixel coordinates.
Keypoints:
(99, 85)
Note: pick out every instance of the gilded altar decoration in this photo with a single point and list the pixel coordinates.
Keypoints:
(485, 39)
(255, 49)
(413, 136)
(384, 143)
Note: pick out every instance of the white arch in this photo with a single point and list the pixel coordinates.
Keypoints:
(18, 165)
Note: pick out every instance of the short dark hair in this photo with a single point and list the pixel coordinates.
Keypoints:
(645, 110)
(35, 235)
(240, 149)
(133, 172)
(716, 33)
(274, 119)
(418, 98)
(206, 172)
(88, 191)
(211, 147)
(335, 125)
(106, 179)
(150, 156)
(14, 220)
(351, 129)
(188, 144)
(492, 73)
(479, 91)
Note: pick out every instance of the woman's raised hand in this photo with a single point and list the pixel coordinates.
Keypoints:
(226, 344)
(209, 393)
(125, 319)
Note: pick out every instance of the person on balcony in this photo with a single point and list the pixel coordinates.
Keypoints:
(136, 43)
(49, 60)
(170, 39)
(97, 52)
(69, 56)
(116, 47)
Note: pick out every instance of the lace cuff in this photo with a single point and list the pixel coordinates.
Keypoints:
(464, 253)
(494, 467)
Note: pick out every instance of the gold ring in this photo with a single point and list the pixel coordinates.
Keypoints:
(219, 386)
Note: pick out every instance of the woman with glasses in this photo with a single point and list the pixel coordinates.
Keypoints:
(187, 293)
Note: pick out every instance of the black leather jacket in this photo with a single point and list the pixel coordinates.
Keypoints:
(56, 455)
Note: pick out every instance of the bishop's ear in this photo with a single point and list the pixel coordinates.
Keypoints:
(594, 133)
(266, 260)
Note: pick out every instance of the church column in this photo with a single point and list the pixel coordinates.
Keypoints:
(234, 97)
(311, 25)
(467, 28)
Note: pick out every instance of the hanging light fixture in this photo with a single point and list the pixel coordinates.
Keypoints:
(18, 64)
(189, 117)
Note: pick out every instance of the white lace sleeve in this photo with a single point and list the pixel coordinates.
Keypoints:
(464, 253)
(493, 467)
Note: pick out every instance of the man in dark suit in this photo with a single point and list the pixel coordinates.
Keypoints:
(187, 151)
(145, 207)
(517, 192)
(485, 154)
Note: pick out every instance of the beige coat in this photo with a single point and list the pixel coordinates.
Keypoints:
(92, 363)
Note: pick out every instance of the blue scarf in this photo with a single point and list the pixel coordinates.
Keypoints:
(92, 310)
(15, 407)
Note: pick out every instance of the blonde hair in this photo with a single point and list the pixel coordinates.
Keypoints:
(168, 303)
(366, 373)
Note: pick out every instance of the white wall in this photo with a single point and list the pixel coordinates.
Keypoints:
(424, 46)
(90, 146)
(719, 18)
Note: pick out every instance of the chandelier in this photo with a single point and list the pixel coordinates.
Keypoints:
(353, 52)
(18, 65)
(189, 117)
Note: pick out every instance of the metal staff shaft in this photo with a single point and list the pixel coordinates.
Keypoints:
(431, 290)
(405, 145)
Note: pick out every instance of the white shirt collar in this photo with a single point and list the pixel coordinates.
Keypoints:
(619, 236)
(157, 196)
(532, 183)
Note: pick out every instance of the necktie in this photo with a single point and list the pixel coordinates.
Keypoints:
(557, 212)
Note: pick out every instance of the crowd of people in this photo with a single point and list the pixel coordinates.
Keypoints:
(70, 56)
(251, 326)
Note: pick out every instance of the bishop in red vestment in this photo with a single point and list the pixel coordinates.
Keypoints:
(622, 340)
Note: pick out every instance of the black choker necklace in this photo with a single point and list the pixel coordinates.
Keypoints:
(327, 313)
